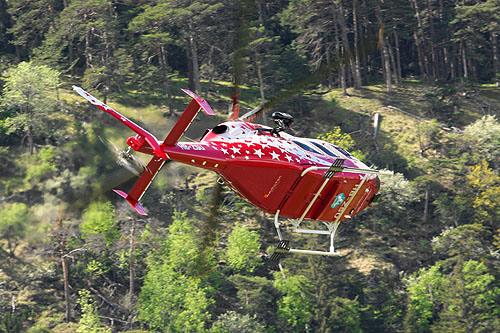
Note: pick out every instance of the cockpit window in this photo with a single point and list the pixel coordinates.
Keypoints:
(306, 147)
(219, 129)
(323, 148)
(343, 151)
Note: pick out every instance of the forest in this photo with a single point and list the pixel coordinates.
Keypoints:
(74, 256)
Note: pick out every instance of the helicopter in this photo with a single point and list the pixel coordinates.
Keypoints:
(299, 179)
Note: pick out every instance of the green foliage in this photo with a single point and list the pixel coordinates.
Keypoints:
(483, 137)
(99, 219)
(232, 321)
(173, 302)
(345, 315)
(15, 221)
(243, 249)
(40, 166)
(28, 89)
(342, 140)
(256, 296)
(397, 194)
(89, 321)
(465, 241)
(12, 322)
(338, 138)
(181, 251)
(294, 55)
(425, 290)
(295, 306)
(486, 183)
(470, 303)
(173, 298)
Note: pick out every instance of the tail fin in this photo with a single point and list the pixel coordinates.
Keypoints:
(187, 117)
(142, 184)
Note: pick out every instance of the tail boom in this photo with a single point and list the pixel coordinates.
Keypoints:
(142, 136)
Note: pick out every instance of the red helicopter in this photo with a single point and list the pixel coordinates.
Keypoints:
(296, 178)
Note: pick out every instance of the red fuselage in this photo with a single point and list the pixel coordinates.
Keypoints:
(271, 171)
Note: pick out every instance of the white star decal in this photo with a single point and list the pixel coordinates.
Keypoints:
(248, 152)
(298, 160)
(224, 145)
(289, 158)
(235, 150)
(259, 152)
(232, 156)
(282, 147)
(275, 156)
(246, 157)
(224, 151)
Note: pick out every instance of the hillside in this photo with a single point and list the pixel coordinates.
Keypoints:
(74, 257)
(381, 248)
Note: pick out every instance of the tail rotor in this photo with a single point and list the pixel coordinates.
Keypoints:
(125, 158)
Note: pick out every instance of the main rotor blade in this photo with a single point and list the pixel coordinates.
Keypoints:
(369, 43)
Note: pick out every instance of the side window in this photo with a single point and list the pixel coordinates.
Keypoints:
(306, 147)
(323, 148)
(343, 151)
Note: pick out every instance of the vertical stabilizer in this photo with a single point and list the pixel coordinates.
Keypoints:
(187, 117)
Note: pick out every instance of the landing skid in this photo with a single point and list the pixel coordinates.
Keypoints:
(284, 248)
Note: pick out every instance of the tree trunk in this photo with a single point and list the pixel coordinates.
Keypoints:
(420, 40)
(131, 264)
(393, 62)
(464, 61)
(420, 54)
(453, 67)
(342, 74)
(261, 81)
(88, 55)
(399, 74)
(30, 130)
(64, 263)
(435, 69)
(195, 66)
(387, 66)
(71, 55)
(357, 62)
(426, 204)
(383, 51)
(166, 80)
(494, 44)
(347, 54)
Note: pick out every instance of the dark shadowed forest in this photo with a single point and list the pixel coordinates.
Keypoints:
(75, 257)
